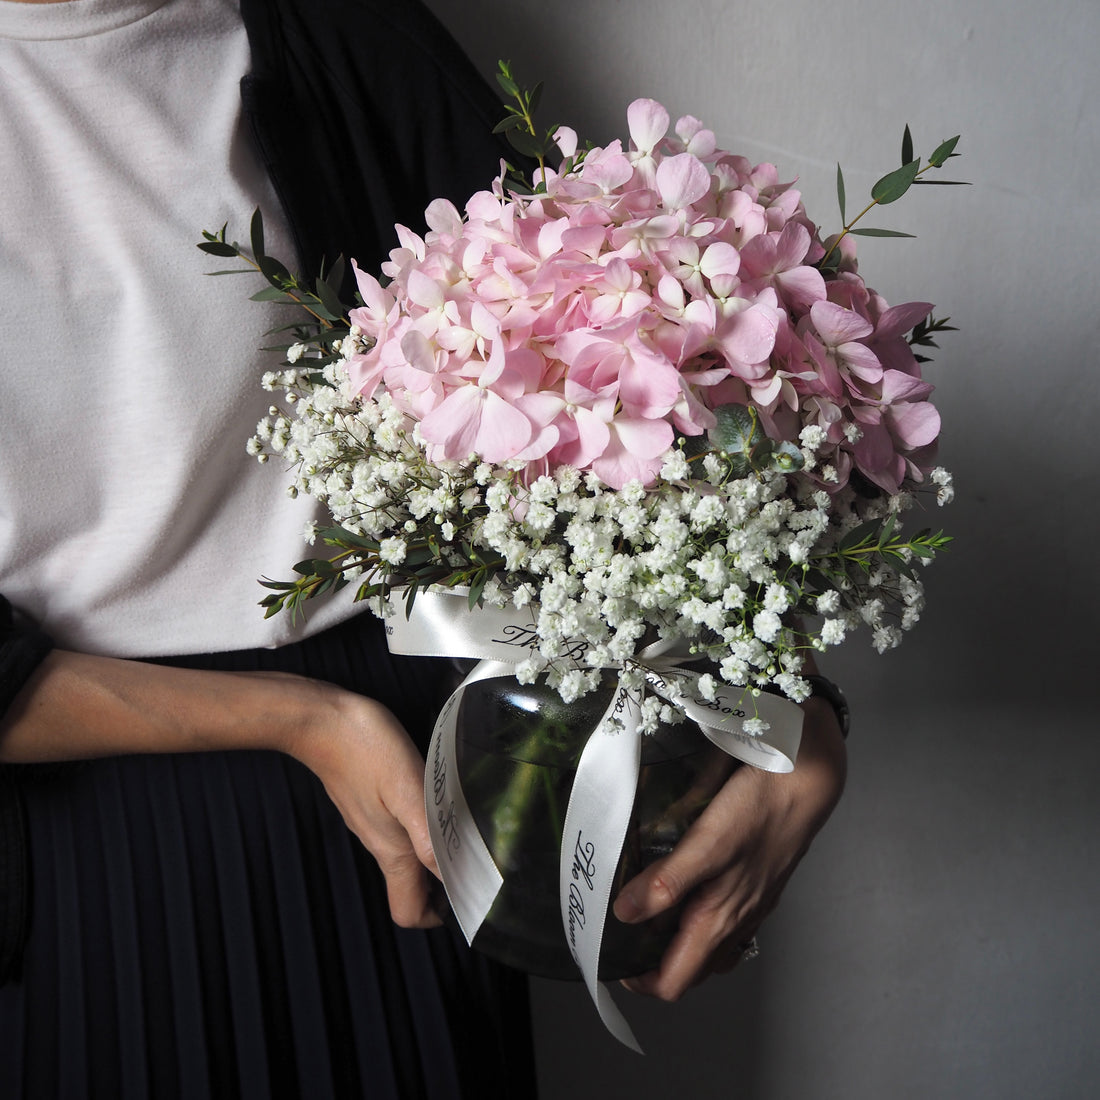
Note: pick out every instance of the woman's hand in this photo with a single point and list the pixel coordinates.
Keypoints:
(733, 863)
(374, 774)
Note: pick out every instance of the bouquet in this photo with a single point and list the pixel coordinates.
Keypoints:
(635, 399)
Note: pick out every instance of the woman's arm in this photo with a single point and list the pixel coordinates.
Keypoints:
(77, 706)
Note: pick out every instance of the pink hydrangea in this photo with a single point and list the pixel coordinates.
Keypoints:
(592, 323)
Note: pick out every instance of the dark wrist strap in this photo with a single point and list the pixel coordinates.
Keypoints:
(823, 688)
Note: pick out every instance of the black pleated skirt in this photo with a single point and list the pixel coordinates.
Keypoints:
(204, 925)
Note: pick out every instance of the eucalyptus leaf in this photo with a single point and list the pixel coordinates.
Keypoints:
(329, 299)
(507, 83)
(735, 430)
(219, 248)
(273, 294)
(274, 272)
(787, 458)
(894, 184)
(525, 143)
(256, 233)
(335, 274)
(868, 231)
(943, 151)
(535, 98)
(840, 192)
(906, 146)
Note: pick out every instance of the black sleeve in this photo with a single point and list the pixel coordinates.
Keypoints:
(363, 112)
(22, 648)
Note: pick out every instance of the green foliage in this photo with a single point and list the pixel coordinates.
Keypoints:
(518, 126)
(887, 189)
(740, 443)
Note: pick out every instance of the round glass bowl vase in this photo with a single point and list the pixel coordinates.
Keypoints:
(517, 751)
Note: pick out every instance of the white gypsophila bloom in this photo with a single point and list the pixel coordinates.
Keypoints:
(755, 727)
(568, 479)
(707, 687)
(540, 518)
(812, 437)
(766, 625)
(544, 490)
(872, 611)
(650, 714)
(295, 352)
(853, 432)
(733, 597)
(571, 686)
(886, 637)
(675, 466)
(714, 468)
(777, 598)
(833, 631)
(829, 474)
(392, 551)
(527, 671)
(910, 617)
(794, 687)
(447, 531)
(707, 512)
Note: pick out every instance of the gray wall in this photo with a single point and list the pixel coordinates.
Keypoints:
(941, 938)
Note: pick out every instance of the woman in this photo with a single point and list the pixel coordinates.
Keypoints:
(200, 919)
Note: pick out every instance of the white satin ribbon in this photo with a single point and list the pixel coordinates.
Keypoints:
(602, 798)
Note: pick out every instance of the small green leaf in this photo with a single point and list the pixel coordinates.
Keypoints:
(906, 146)
(507, 83)
(787, 458)
(509, 123)
(840, 192)
(887, 530)
(534, 99)
(329, 299)
(477, 586)
(894, 184)
(314, 567)
(942, 152)
(274, 272)
(735, 430)
(218, 248)
(273, 294)
(942, 183)
(525, 143)
(335, 274)
(256, 232)
(867, 231)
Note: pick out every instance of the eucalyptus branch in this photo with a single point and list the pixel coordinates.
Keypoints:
(890, 188)
(322, 303)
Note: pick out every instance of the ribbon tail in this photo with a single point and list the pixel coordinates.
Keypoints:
(596, 821)
(470, 876)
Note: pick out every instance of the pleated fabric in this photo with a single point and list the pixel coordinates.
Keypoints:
(204, 925)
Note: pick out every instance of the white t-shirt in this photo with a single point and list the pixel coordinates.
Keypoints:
(132, 522)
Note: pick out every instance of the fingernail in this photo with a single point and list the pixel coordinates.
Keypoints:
(628, 907)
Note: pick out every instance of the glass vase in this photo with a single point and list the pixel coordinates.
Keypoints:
(517, 751)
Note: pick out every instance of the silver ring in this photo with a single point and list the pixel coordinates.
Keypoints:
(750, 950)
